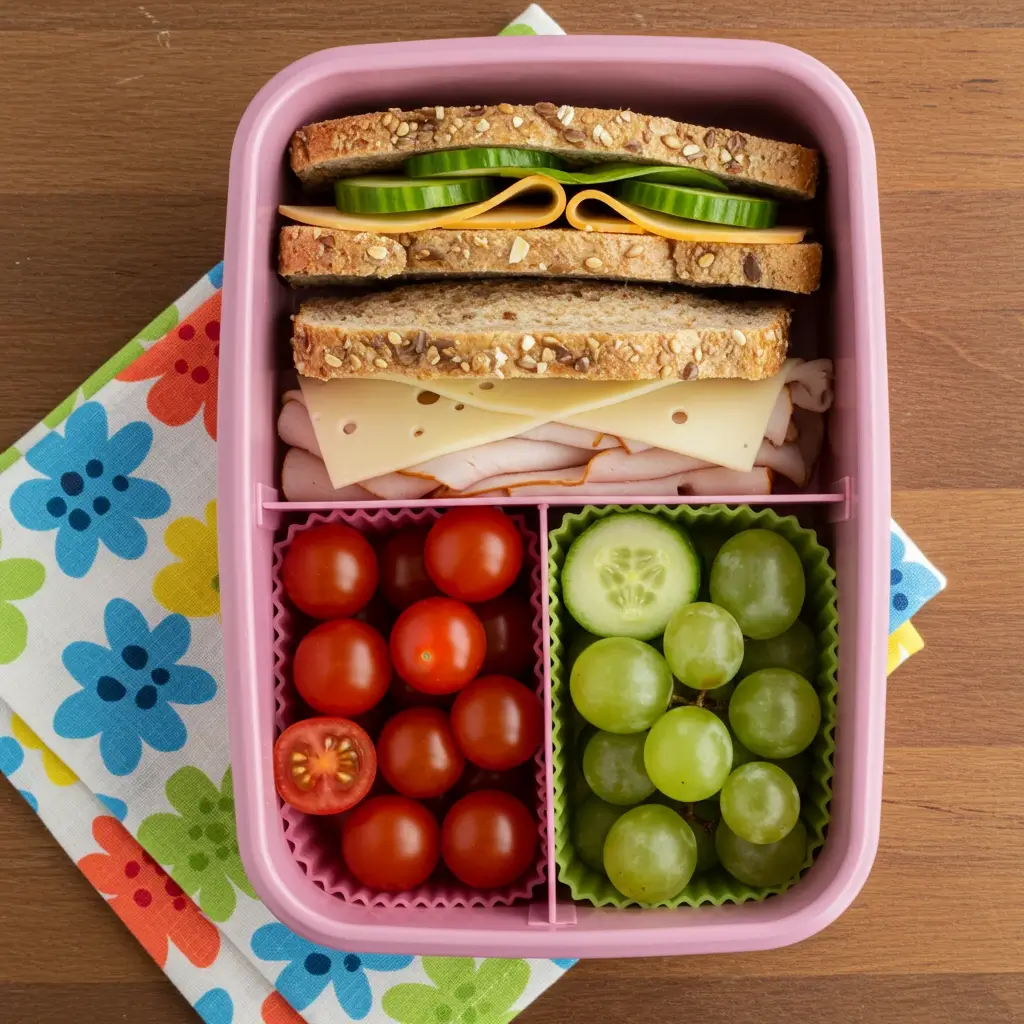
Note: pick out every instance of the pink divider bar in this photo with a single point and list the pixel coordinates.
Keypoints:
(315, 841)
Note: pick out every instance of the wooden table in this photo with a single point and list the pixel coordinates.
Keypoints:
(115, 126)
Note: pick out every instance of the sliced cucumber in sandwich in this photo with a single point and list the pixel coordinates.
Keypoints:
(628, 573)
(396, 194)
(700, 204)
(518, 163)
(479, 160)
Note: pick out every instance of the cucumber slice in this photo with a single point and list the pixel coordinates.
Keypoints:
(627, 573)
(476, 161)
(387, 194)
(700, 204)
(519, 163)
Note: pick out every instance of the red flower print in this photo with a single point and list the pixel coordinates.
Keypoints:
(276, 1011)
(186, 360)
(146, 899)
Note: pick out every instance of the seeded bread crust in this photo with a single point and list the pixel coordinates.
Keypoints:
(310, 256)
(526, 329)
(373, 142)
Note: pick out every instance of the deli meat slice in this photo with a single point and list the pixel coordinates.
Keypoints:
(462, 470)
(399, 487)
(304, 478)
(577, 437)
(295, 428)
(810, 384)
(651, 464)
(714, 480)
(780, 420)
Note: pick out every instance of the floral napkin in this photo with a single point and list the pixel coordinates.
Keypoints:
(112, 707)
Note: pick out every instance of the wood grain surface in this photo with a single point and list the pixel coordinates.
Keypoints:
(116, 121)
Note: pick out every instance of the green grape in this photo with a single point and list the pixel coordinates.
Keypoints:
(763, 866)
(796, 649)
(688, 753)
(760, 802)
(590, 824)
(580, 642)
(798, 768)
(758, 577)
(613, 766)
(704, 836)
(650, 854)
(775, 713)
(621, 685)
(703, 646)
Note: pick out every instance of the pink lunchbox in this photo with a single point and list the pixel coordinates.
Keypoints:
(758, 87)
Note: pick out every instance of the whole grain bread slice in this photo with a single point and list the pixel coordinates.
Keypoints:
(586, 330)
(310, 256)
(364, 143)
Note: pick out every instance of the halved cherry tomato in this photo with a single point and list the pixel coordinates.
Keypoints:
(474, 554)
(417, 753)
(390, 843)
(324, 765)
(488, 839)
(508, 623)
(438, 645)
(342, 667)
(403, 574)
(497, 722)
(329, 571)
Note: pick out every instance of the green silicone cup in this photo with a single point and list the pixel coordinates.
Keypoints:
(708, 526)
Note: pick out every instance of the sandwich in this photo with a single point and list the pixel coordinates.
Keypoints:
(547, 191)
(573, 363)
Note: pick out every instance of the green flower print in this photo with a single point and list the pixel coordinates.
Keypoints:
(8, 458)
(155, 329)
(518, 29)
(198, 844)
(19, 578)
(464, 993)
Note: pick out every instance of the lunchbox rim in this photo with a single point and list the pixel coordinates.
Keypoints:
(239, 502)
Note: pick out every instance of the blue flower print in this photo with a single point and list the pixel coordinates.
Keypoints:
(565, 964)
(912, 584)
(312, 968)
(215, 1007)
(128, 688)
(11, 757)
(216, 275)
(88, 494)
(118, 808)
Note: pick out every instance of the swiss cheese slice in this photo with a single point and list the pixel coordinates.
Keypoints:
(551, 401)
(366, 428)
(497, 212)
(635, 220)
(720, 421)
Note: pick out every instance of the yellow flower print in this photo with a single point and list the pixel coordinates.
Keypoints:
(56, 770)
(191, 586)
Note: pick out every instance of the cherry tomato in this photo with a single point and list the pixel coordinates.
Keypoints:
(508, 623)
(324, 765)
(488, 839)
(417, 753)
(497, 722)
(474, 554)
(403, 574)
(438, 645)
(342, 667)
(390, 843)
(329, 571)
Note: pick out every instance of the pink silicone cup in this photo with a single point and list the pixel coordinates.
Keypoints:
(315, 842)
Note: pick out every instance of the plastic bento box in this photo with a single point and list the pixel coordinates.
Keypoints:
(751, 86)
